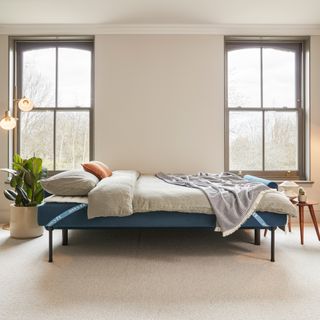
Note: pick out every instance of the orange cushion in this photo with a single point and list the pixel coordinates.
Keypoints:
(99, 169)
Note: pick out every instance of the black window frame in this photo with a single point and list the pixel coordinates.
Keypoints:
(21, 45)
(301, 44)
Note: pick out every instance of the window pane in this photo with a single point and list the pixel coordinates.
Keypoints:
(279, 70)
(74, 78)
(38, 77)
(245, 140)
(244, 78)
(36, 136)
(281, 141)
(72, 139)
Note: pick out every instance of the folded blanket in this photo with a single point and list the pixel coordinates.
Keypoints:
(232, 198)
(113, 196)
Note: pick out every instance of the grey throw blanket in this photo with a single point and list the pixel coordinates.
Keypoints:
(233, 199)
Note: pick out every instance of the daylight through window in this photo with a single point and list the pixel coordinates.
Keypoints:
(264, 108)
(57, 77)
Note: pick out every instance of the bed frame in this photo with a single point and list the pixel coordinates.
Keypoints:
(67, 216)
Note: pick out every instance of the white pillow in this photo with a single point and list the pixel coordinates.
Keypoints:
(277, 202)
(70, 183)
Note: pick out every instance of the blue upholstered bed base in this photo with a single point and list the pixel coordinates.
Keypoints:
(61, 216)
(79, 220)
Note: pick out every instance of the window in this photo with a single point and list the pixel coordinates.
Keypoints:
(57, 77)
(264, 108)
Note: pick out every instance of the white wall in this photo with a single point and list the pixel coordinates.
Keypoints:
(314, 189)
(4, 205)
(159, 102)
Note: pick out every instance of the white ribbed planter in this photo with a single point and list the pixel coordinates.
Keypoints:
(302, 198)
(23, 222)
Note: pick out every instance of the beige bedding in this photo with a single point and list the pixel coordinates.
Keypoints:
(153, 194)
(113, 196)
(126, 192)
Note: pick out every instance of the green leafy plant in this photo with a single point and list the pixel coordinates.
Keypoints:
(301, 192)
(25, 176)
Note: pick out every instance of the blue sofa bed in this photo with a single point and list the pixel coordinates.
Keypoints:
(65, 216)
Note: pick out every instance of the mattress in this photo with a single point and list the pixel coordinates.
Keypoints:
(66, 199)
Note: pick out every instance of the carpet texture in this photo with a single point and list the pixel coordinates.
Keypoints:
(152, 274)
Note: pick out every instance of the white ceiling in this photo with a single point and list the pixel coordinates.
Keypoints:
(160, 11)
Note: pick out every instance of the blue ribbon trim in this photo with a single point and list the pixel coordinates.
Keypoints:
(65, 214)
(260, 220)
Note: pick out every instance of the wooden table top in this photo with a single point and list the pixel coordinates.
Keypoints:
(303, 204)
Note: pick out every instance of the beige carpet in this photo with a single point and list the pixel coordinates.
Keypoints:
(160, 275)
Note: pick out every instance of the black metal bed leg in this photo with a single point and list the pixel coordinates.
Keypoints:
(272, 244)
(257, 237)
(65, 241)
(50, 244)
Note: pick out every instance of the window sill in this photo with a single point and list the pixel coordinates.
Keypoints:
(296, 181)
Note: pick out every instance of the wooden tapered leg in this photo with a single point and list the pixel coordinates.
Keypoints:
(314, 220)
(301, 223)
(265, 232)
(289, 223)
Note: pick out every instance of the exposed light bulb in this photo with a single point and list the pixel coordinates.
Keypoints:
(25, 104)
(8, 122)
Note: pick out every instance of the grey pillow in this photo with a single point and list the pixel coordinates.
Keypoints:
(70, 183)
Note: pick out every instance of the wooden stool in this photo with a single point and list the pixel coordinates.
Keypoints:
(301, 206)
(310, 205)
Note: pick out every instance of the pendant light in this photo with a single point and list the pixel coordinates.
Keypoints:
(25, 104)
(8, 122)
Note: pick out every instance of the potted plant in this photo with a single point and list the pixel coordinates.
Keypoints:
(302, 197)
(27, 194)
